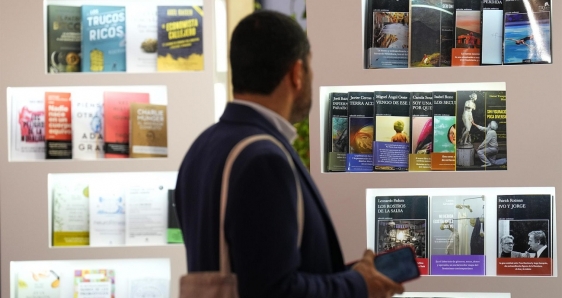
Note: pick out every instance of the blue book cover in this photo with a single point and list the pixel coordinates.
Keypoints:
(103, 38)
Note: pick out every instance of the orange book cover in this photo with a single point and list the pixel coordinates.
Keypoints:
(116, 108)
(58, 117)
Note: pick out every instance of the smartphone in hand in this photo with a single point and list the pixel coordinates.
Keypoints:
(398, 264)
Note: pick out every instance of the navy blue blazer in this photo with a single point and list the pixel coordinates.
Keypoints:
(261, 222)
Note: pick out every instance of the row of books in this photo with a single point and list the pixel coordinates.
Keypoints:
(114, 125)
(424, 33)
(448, 235)
(135, 38)
(417, 131)
(101, 213)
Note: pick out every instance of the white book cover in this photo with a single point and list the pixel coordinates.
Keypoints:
(146, 215)
(27, 127)
(94, 283)
(142, 35)
(107, 214)
(42, 283)
(87, 127)
(71, 212)
(149, 287)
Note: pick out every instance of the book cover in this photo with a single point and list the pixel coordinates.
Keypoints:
(38, 283)
(107, 214)
(421, 131)
(443, 157)
(457, 235)
(27, 128)
(402, 221)
(390, 34)
(360, 112)
(146, 215)
(525, 246)
(492, 32)
(149, 131)
(71, 214)
(90, 283)
(527, 32)
(432, 33)
(471, 108)
(149, 287)
(339, 132)
(116, 107)
(103, 38)
(142, 37)
(392, 129)
(180, 38)
(174, 230)
(468, 33)
(58, 124)
(87, 128)
(64, 38)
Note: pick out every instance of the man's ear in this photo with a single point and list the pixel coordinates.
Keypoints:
(296, 74)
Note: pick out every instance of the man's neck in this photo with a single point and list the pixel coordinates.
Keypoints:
(274, 101)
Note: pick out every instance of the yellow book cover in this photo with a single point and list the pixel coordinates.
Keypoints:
(149, 131)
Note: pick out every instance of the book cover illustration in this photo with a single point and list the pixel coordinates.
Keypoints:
(390, 35)
(149, 287)
(98, 283)
(64, 38)
(38, 283)
(103, 38)
(107, 214)
(492, 32)
(339, 132)
(432, 33)
(392, 129)
(174, 231)
(402, 221)
(180, 38)
(116, 108)
(527, 32)
(142, 38)
(421, 131)
(524, 235)
(457, 235)
(444, 131)
(28, 128)
(146, 215)
(468, 34)
(360, 111)
(58, 123)
(87, 128)
(71, 214)
(149, 131)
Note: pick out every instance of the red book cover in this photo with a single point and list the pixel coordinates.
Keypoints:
(58, 136)
(116, 108)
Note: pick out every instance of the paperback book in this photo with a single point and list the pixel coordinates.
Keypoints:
(421, 131)
(146, 215)
(64, 38)
(492, 33)
(58, 123)
(361, 132)
(149, 131)
(339, 132)
(71, 214)
(142, 38)
(38, 283)
(149, 287)
(107, 214)
(444, 131)
(28, 128)
(468, 33)
(87, 128)
(94, 283)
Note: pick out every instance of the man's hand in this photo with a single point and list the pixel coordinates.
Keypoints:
(379, 286)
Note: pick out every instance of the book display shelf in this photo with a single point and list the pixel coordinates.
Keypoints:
(30, 187)
(336, 33)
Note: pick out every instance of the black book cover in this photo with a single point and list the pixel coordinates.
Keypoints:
(64, 36)
(339, 132)
(361, 131)
(421, 131)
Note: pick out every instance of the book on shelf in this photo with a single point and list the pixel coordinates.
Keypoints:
(457, 235)
(142, 37)
(28, 128)
(361, 132)
(392, 129)
(94, 283)
(58, 124)
(64, 38)
(71, 213)
(468, 33)
(524, 239)
(339, 132)
(421, 131)
(180, 38)
(403, 221)
(146, 214)
(38, 283)
(389, 33)
(103, 38)
(444, 131)
(107, 214)
(152, 287)
(174, 230)
(116, 106)
(87, 127)
(527, 32)
(492, 33)
(149, 130)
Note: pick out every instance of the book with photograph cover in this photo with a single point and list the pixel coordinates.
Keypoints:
(421, 131)
(27, 128)
(527, 32)
(468, 33)
(392, 129)
(64, 38)
(339, 132)
(142, 37)
(403, 221)
(457, 235)
(492, 32)
(390, 34)
(149, 130)
(444, 131)
(360, 110)
(58, 124)
(524, 240)
(87, 127)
